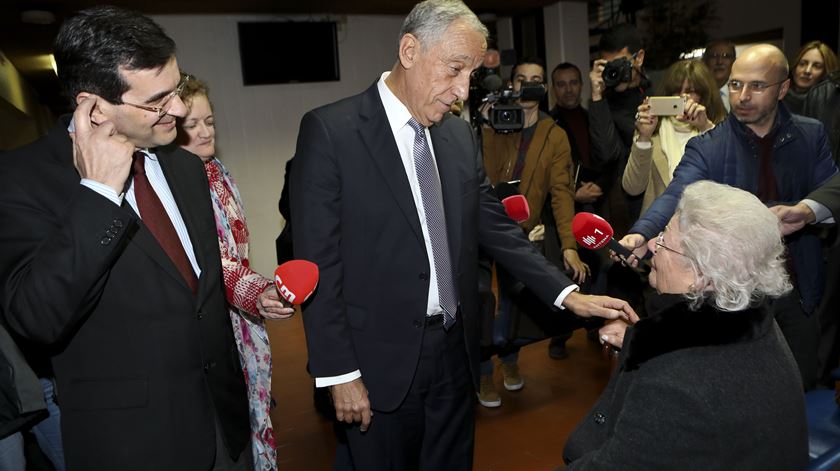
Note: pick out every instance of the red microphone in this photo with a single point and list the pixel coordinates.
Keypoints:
(296, 280)
(594, 232)
(516, 207)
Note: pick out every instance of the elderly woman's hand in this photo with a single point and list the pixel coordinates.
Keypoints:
(613, 333)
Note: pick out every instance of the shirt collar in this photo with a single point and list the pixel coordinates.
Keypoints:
(397, 113)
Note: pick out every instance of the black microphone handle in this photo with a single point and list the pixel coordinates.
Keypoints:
(623, 252)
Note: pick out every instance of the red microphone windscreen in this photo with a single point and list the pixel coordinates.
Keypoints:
(516, 207)
(591, 231)
(296, 280)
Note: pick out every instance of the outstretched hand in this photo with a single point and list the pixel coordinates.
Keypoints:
(793, 218)
(588, 305)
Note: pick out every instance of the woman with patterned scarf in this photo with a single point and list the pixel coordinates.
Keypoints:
(252, 297)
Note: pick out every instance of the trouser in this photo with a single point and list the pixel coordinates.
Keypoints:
(433, 429)
(802, 333)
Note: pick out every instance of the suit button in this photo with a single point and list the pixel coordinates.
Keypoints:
(599, 418)
(105, 240)
(117, 223)
(417, 324)
(200, 315)
(109, 233)
(423, 276)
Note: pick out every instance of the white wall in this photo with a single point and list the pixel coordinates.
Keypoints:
(257, 126)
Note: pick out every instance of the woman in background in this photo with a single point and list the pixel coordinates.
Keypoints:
(660, 142)
(814, 61)
(252, 296)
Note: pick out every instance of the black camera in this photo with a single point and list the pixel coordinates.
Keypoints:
(505, 115)
(617, 71)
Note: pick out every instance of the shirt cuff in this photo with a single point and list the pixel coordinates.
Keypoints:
(644, 145)
(823, 215)
(333, 380)
(103, 190)
(559, 301)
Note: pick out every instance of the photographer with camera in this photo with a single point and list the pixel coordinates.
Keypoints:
(539, 157)
(619, 86)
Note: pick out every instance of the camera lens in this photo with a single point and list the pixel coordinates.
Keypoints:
(506, 116)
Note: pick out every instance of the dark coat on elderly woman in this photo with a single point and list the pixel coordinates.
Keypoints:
(704, 390)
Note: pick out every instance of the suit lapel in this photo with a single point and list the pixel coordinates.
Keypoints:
(376, 134)
(447, 154)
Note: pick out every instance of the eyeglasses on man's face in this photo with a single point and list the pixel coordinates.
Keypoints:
(754, 88)
(720, 55)
(167, 101)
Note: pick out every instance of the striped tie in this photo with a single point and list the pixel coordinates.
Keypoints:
(430, 193)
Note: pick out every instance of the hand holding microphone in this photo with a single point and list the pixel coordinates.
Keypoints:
(294, 282)
(594, 232)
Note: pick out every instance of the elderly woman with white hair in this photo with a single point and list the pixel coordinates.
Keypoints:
(707, 380)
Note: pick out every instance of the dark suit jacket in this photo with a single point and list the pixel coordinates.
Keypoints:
(697, 390)
(355, 217)
(142, 364)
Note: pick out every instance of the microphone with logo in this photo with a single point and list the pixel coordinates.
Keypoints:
(594, 232)
(516, 205)
(296, 280)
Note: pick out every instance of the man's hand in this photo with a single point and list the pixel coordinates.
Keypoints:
(100, 153)
(351, 403)
(588, 192)
(587, 305)
(271, 306)
(793, 218)
(613, 332)
(634, 243)
(572, 261)
(597, 79)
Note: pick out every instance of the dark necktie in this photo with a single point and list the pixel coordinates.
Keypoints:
(157, 221)
(430, 193)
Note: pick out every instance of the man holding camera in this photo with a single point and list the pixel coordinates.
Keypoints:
(538, 157)
(618, 88)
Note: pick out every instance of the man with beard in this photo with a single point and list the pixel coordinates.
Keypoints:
(780, 157)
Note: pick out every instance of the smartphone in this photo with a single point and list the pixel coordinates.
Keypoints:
(667, 105)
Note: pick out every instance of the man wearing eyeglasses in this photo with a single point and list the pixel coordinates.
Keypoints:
(719, 57)
(778, 156)
(110, 262)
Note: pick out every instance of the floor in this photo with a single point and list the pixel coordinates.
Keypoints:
(526, 433)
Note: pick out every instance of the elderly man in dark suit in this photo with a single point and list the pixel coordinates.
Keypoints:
(390, 199)
(110, 260)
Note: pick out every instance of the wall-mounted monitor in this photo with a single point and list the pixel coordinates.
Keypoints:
(288, 52)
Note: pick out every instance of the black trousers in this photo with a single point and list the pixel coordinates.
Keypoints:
(433, 429)
(802, 333)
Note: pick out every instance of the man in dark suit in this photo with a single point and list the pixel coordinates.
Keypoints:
(390, 199)
(110, 261)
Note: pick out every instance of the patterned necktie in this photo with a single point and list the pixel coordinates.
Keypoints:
(157, 221)
(430, 193)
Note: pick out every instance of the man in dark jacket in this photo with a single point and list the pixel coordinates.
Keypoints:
(780, 157)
